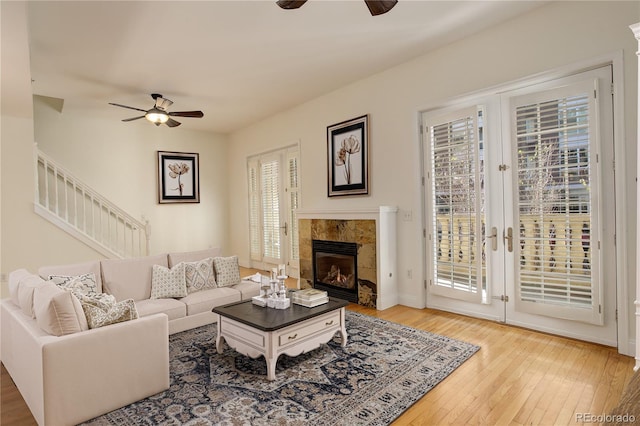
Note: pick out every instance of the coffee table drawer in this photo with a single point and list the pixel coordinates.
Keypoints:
(310, 328)
(244, 333)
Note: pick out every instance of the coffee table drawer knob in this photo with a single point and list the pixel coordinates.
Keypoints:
(293, 337)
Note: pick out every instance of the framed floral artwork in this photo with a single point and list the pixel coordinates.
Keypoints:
(178, 177)
(348, 162)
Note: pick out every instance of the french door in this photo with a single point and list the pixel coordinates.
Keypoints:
(273, 198)
(519, 202)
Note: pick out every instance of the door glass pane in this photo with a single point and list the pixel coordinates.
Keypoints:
(270, 178)
(254, 212)
(458, 204)
(554, 199)
(293, 189)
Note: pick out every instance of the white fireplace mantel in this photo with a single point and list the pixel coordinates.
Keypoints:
(373, 213)
(386, 244)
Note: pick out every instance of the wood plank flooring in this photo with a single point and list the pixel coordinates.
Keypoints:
(518, 376)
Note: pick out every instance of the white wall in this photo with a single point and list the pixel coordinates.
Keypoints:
(550, 37)
(21, 241)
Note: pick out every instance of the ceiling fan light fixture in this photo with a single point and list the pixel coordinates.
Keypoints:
(156, 116)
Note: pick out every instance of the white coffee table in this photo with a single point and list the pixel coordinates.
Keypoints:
(254, 331)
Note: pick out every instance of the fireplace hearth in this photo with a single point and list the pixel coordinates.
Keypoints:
(335, 268)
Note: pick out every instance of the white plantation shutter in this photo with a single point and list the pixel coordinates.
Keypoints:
(273, 189)
(294, 199)
(255, 245)
(557, 162)
(270, 188)
(457, 214)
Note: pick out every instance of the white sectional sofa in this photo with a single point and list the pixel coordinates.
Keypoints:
(69, 373)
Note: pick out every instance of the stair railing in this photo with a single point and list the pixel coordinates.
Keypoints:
(72, 205)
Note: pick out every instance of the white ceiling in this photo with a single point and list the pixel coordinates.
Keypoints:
(238, 61)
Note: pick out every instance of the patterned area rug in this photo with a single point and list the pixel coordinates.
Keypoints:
(383, 370)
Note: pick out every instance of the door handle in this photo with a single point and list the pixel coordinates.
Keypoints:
(285, 228)
(508, 237)
(494, 238)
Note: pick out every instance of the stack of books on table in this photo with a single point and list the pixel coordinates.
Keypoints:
(309, 297)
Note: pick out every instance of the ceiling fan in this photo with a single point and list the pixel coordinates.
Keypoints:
(159, 115)
(376, 7)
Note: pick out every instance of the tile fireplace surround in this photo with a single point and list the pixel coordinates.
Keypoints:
(374, 231)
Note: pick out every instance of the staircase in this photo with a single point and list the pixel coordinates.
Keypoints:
(73, 206)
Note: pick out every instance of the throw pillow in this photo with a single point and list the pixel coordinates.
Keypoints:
(26, 291)
(167, 282)
(227, 271)
(101, 311)
(83, 284)
(199, 275)
(58, 311)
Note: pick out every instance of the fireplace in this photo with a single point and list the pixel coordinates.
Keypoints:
(335, 270)
(373, 231)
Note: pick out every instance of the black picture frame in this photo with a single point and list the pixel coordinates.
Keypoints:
(348, 157)
(178, 177)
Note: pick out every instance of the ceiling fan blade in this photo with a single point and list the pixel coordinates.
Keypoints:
(124, 106)
(378, 7)
(192, 114)
(172, 123)
(290, 4)
(134, 118)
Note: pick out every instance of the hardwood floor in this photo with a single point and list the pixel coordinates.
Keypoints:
(13, 409)
(517, 377)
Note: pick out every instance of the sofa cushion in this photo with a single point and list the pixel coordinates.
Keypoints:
(173, 308)
(130, 278)
(227, 270)
(248, 289)
(199, 275)
(14, 283)
(192, 256)
(83, 284)
(203, 301)
(26, 291)
(74, 269)
(100, 314)
(167, 282)
(58, 311)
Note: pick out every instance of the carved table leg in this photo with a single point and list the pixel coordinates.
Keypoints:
(271, 368)
(219, 336)
(343, 328)
(343, 333)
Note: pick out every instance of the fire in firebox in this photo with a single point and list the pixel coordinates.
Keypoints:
(336, 278)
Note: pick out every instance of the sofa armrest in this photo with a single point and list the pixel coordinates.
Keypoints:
(96, 371)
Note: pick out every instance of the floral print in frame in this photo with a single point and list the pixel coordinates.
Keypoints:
(178, 177)
(347, 152)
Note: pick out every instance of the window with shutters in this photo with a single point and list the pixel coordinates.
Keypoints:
(254, 212)
(457, 214)
(555, 170)
(294, 200)
(270, 197)
(520, 206)
(273, 197)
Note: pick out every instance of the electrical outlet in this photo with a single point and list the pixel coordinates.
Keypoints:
(409, 273)
(3, 277)
(407, 215)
